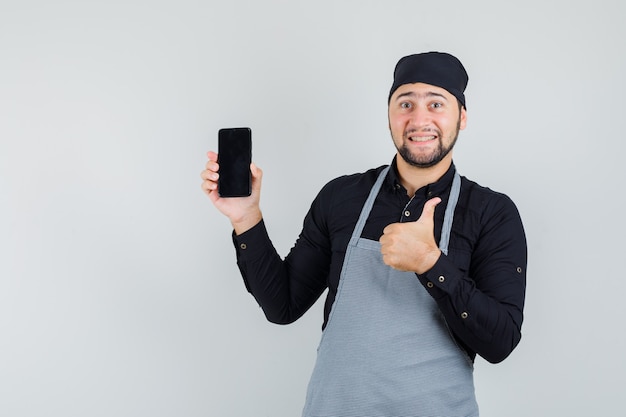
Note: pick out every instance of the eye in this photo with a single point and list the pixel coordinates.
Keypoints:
(405, 105)
(436, 105)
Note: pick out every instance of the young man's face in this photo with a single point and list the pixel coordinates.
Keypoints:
(424, 121)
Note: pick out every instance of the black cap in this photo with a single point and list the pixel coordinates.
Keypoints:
(435, 68)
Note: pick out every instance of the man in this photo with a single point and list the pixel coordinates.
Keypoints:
(425, 269)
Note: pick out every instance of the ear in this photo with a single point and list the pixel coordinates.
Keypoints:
(463, 119)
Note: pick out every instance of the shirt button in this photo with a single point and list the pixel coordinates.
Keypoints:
(442, 278)
(519, 269)
(430, 284)
(464, 315)
(243, 246)
(407, 213)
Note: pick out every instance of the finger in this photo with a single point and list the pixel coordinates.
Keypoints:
(257, 175)
(386, 260)
(212, 161)
(206, 188)
(429, 209)
(390, 228)
(209, 175)
(208, 185)
(256, 171)
(212, 166)
(383, 242)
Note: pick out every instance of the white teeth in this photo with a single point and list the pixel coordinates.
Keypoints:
(421, 139)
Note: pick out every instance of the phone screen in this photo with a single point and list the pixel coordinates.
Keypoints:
(234, 158)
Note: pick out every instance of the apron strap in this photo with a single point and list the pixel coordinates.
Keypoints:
(446, 229)
(369, 203)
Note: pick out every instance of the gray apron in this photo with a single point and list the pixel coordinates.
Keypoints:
(386, 350)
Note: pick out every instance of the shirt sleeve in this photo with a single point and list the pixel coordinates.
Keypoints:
(285, 289)
(483, 306)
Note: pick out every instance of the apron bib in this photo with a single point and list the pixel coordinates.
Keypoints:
(386, 350)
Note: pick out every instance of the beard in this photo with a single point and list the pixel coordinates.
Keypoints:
(427, 161)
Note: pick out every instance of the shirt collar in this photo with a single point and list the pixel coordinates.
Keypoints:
(437, 188)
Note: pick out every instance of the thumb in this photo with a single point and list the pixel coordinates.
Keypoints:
(257, 175)
(255, 170)
(428, 213)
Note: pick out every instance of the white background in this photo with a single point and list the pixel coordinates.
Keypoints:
(119, 293)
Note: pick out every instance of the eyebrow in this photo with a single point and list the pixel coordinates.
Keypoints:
(428, 94)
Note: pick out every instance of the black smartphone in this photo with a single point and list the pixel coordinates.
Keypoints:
(234, 156)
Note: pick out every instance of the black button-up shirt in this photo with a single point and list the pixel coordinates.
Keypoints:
(479, 285)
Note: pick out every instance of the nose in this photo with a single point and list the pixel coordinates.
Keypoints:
(420, 117)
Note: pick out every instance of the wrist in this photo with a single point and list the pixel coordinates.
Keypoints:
(428, 261)
(247, 222)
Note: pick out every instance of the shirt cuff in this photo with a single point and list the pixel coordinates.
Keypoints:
(442, 279)
(252, 244)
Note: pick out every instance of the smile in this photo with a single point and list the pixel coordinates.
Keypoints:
(421, 138)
